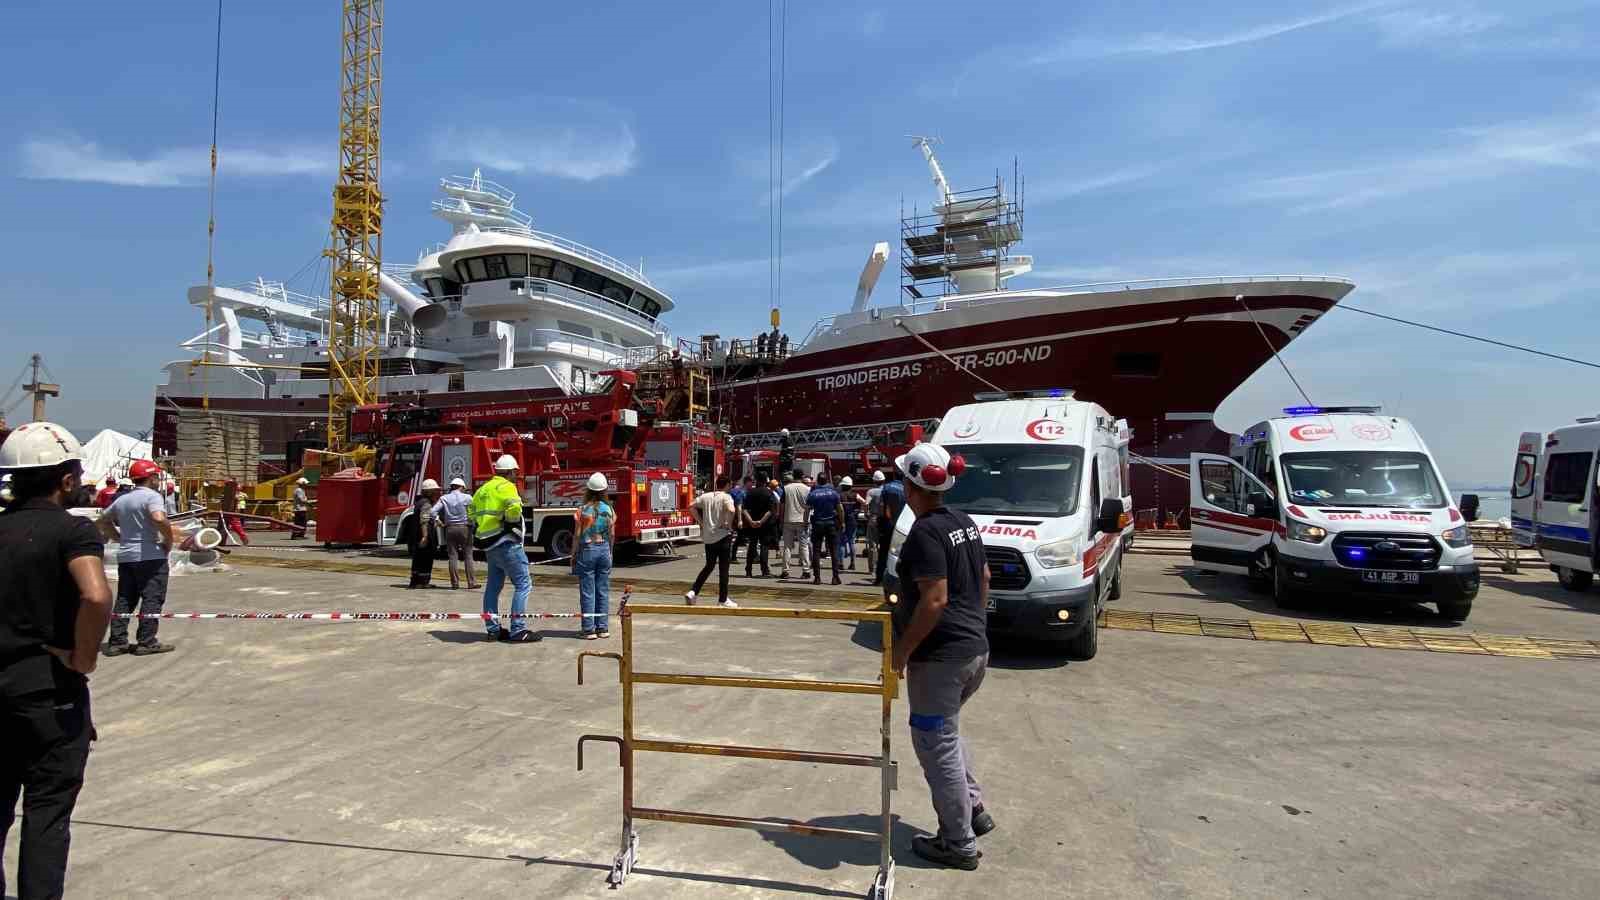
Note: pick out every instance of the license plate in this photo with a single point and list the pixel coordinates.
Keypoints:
(1392, 577)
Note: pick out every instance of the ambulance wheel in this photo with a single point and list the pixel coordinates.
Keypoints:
(1261, 577)
(1455, 612)
(1116, 583)
(1283, 596)
(1086, 643)
(1573, 580)
(560, 541)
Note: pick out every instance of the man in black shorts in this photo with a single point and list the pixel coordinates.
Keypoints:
(942, 647)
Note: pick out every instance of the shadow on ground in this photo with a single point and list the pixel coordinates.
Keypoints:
(1234, 591)
(831, 853)
(1550, 592)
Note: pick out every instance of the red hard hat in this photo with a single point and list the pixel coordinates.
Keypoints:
(143, 468)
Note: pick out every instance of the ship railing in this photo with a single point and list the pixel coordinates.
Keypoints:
(579, 297)
(275, 290)
(548, 340)
(479, 185)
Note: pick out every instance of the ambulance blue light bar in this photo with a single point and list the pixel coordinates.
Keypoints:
(1302, 410)
(1320, 410)
(1038, 394)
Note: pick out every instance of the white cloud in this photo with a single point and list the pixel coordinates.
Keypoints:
(566, 138)
(1166, 44)
(1060, 189)
(72, 158)
(1410, 27)
(1486, 152)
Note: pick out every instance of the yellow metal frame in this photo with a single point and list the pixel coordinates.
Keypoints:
(886, 688)
(357, 247)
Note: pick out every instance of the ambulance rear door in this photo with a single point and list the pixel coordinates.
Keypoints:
(1524, 489)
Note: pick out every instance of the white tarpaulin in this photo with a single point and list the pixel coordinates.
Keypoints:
(110, 452)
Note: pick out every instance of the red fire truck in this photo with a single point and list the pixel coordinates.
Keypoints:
(558, 444)
(694, 447)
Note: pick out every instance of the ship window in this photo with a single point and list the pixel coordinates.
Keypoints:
(651, 308)
(539, 266)
(476, 271)
(451, 288)
(587, 280)
(615, 293)
(1566, 477)
(563, 272)
(436, 287)
(480, 329)
(608, 337)
(1137, 365)
(517, 264)
(575, 328)
(496, 266)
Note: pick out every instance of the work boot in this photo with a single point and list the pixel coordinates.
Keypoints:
(982, 822)
(934, 849)
(836, 580)
(117, 649)
(152, 648)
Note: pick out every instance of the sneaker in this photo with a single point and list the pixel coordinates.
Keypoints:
(602, 633)
(526, 637)
(728, 604)
(495, 635)
(117, 649)
(982, 822)
(152, 648)
(836, 580)
(935, 850)
(688, 597)
(590, 636)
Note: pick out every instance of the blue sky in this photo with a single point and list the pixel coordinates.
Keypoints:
(1440, 154)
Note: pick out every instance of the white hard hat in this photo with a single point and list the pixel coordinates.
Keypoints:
(39, 444)
(846, 482)
(428, 484)
(506, 463)
(930, 466)
(303, 481)
(784, 432)
(124, 482)
(879, 477)
(457, 482)
(597, 482)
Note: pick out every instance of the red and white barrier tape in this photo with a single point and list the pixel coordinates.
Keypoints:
(361, 616)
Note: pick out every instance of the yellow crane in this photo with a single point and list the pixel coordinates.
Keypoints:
(353, 326)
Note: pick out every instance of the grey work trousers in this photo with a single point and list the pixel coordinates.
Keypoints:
(458, 544)
(937, 691)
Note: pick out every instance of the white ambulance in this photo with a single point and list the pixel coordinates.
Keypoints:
(1044, 481)
(1555, 504)
(1338, 501)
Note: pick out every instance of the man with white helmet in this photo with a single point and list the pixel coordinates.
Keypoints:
(137, 521)
(874, 513)
(942, 646)
(54, 604)
(302, 508)
(451, 511)
(421, 534)
(496, 512)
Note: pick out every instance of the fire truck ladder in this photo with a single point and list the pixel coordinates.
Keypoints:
(843, 436)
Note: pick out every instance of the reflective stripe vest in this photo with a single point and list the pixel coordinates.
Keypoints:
(496, 508)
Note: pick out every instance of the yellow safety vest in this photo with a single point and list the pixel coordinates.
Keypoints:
(496, 509)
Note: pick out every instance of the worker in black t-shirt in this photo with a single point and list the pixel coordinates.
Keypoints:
(942, 646)
(54, 605)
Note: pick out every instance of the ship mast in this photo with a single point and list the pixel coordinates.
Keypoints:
(925, 144)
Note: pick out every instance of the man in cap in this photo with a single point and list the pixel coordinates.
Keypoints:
(941, 645)
(137, 520)
(496, 513)
(795, 538)
(54, 603)
(302, 508)
(451, 511)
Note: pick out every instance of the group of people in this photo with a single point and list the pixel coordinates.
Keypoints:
(490, 519)
(56, 605)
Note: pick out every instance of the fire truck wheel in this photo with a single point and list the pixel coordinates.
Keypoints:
(559, 540)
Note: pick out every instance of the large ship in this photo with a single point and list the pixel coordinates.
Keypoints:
(506, 312)
(1163, 353)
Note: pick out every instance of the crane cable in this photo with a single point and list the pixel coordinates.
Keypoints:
(211, 216)
(1470, 337)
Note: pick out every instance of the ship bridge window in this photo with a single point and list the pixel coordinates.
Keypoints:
(1136, 365)
(589, 281)
(480, 329)
(540, 266)
(575, 328)
(651, 308)
(562, 272)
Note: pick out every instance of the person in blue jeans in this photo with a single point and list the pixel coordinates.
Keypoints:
(496, 512)
(849, 509)
(592, 560)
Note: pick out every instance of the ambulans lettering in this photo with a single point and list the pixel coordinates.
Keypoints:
(1027, 534)
(1310, 432)
(869, 376)
(1378, 517)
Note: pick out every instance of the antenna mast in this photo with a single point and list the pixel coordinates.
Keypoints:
(925, 144)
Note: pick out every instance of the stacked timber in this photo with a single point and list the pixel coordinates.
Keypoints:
(222, 447)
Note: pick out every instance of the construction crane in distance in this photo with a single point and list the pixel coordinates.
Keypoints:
(357, 232)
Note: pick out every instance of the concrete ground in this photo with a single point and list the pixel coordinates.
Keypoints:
(359, 759)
